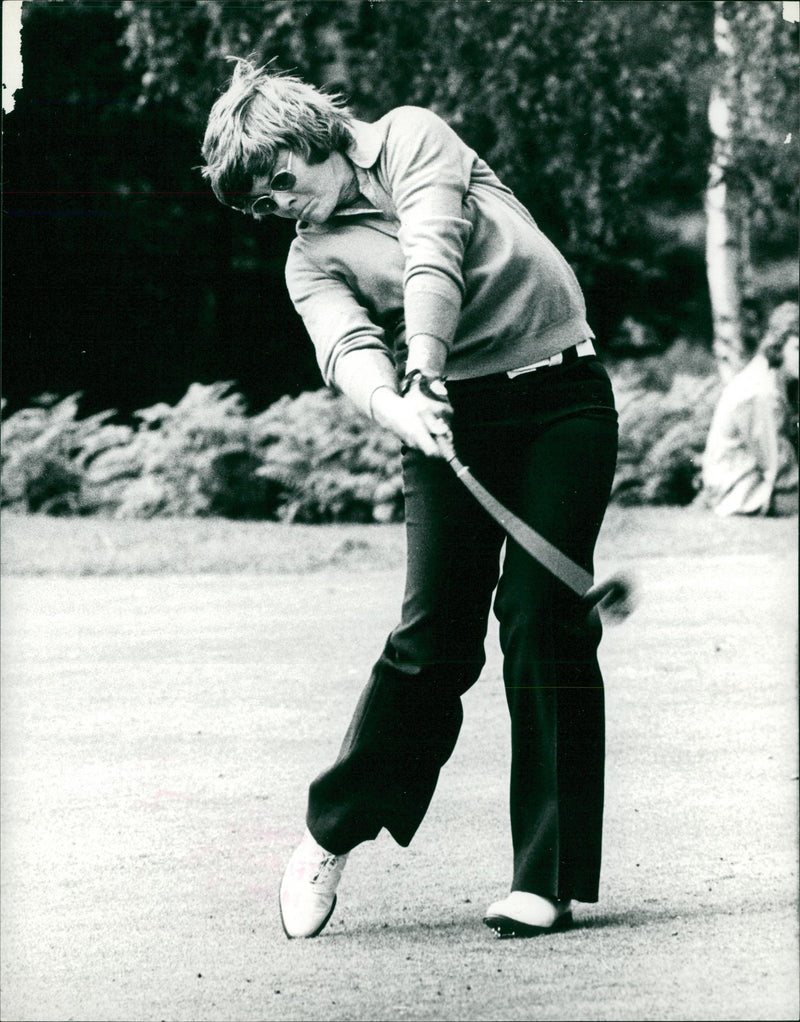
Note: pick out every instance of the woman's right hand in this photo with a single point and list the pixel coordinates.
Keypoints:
(416, 419)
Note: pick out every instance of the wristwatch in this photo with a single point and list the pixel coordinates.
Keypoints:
(433, 387)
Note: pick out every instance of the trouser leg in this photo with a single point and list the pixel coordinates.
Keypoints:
(546, 445)
(558, 482)
(408, 717)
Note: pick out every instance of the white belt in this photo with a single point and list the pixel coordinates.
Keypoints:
(584, 348)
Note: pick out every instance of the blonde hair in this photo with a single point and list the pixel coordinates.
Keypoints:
(260, 113)
(783, 323)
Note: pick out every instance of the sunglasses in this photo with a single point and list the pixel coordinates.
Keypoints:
(282, 181)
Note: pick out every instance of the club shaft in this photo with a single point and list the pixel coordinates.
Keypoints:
(564, 568)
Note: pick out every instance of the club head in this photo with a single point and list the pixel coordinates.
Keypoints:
(615, 596)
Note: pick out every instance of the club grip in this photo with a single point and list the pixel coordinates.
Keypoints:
(444, 441)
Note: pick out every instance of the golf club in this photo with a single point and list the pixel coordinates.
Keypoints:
(615, 594)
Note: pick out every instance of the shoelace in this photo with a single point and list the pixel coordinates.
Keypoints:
(326, 867)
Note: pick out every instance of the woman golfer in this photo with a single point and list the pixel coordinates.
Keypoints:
(438, 307)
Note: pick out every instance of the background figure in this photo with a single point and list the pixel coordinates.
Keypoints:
(750, 460)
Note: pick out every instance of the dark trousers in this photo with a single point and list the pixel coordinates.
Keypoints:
(545, 444)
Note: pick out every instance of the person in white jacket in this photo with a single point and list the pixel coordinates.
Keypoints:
(750, 460)
(438, 307)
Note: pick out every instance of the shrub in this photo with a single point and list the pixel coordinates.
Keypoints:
(46, 451)
(312, 458)
(664, 416)
(328, 462)
(308, 459)
(193, 458)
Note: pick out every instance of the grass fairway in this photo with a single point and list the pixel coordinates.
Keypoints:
(170, 688)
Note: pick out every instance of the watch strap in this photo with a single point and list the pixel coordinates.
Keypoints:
(432, 387)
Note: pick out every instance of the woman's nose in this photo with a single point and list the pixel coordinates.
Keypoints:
(284, 201)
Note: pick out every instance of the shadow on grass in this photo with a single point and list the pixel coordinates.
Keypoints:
(642, 917)
(470, 926)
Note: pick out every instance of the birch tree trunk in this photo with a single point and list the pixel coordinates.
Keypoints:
(727, 219)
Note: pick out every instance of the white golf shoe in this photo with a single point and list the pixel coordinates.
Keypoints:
(528, 915)
(308, 888)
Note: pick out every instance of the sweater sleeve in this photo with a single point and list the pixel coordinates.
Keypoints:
(764, 436)
(428, 169)
(337, 324)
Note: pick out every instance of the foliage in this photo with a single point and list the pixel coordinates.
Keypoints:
(760, 83)
(190, 459)
(46, 452)
(179, 50)
(665, 411)
(127, 280)
(595, 114)
(311, 459)
(581, 108)
(330, 463)
(602, 124)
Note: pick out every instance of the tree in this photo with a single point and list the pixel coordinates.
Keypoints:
(123, 277)
(594, 112)
(580, 106)
(180, 48)
(752, 184)
(584, 109)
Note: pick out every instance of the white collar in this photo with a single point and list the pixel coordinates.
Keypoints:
(367, 144)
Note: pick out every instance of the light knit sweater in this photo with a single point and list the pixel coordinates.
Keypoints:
(749, 459)
(439, 246)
